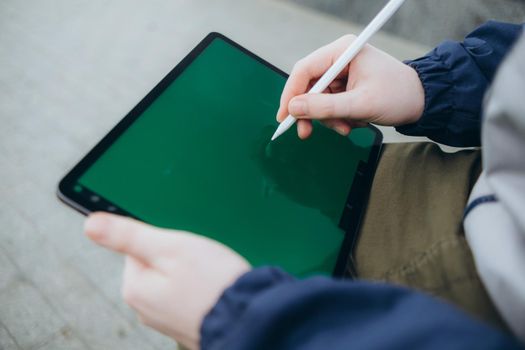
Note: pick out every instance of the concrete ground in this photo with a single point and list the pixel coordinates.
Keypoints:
(427, 21)
(69, 70)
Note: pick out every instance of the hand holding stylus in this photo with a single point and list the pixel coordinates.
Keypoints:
(373, 88)
(165, 278)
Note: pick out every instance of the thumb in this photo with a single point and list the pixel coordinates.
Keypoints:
(326, 106)
(126, 236)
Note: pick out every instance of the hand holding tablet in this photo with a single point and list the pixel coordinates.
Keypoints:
(164, 280)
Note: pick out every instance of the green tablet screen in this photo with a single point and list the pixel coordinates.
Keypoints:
(199, 158)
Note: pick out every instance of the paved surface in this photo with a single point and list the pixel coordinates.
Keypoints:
(427, 21)
(69, 70)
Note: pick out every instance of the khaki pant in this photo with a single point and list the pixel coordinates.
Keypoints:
(412, 233)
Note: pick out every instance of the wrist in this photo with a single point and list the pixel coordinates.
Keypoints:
(417, 107)
(222, 319)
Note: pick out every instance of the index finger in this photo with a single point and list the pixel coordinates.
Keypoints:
(309, 68)
(127, 236)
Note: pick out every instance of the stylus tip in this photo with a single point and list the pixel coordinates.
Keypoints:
(278, 132)
(285, 125)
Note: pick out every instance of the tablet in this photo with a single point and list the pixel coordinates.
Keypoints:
(195, 155)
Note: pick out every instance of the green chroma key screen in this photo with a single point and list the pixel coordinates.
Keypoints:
(199, 158)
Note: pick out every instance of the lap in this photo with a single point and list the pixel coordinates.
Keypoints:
(412, 232)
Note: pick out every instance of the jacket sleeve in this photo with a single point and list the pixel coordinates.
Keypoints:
(268, 309)
(455, 77)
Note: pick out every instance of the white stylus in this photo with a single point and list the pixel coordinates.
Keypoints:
(379, 21)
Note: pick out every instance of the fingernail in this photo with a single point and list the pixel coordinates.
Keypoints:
(341, 130)
(297, 107)
(94, 226)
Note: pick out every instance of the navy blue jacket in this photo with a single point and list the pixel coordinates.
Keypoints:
(269, 309)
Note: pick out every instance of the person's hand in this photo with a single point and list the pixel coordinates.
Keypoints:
(373, 88)
(171, 278)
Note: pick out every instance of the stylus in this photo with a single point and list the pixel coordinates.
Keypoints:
(348, 55)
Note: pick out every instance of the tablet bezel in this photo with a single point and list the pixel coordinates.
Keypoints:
(87, 202)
